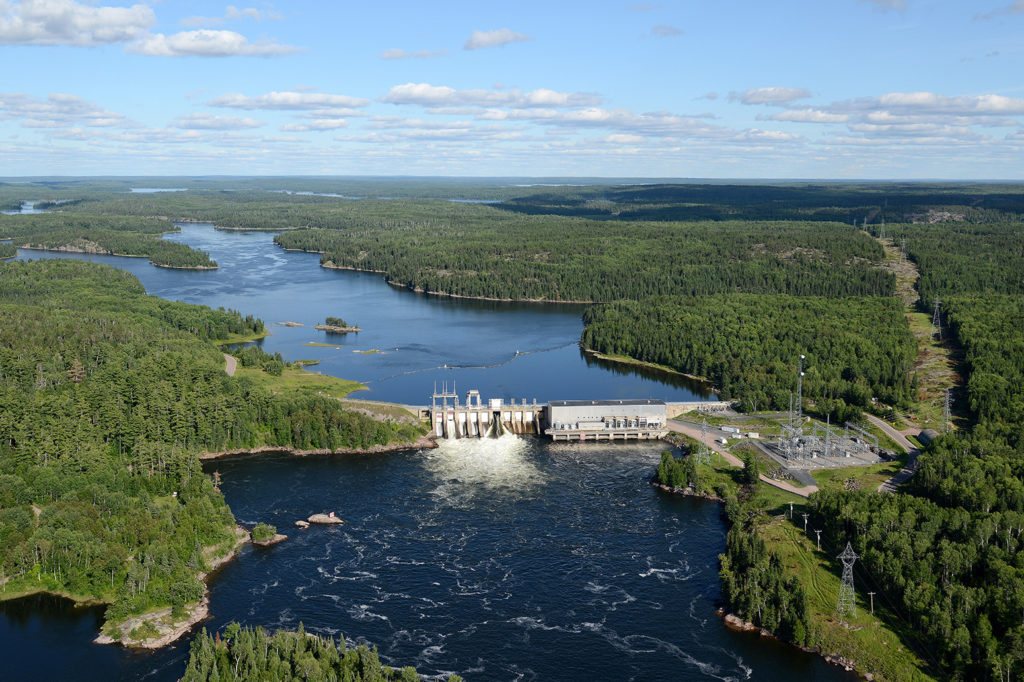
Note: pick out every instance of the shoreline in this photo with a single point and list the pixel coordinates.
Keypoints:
(738, 624)
(422, 443)
(331, 265)
(626, 360)
(195, 613)
(97, 252)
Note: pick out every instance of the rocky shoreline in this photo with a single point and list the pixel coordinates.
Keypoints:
(421, 443)
(160, 622)
(333, 329)
(687, 492)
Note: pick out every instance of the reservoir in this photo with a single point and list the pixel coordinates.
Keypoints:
(497, 559)
(506, 350)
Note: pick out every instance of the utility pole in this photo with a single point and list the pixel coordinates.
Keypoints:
(872, 595)
(819, 538)
(790, 510)
(805, 522)
(846, 607)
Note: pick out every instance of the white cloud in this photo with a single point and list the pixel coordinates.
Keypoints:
(428, 95)
(288, 100)
(233, 13)
(208, 43)
(315, 125)
(887, 5)
(58, 111)
(65, 22)
(665, 31)
(397, 53)
(212, 122)
(1016, 8)
(502, 36)
(770, 95)
(807, 116)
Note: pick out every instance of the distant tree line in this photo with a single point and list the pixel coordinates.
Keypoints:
(115, 235)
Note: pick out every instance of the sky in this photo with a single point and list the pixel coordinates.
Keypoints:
(838, 89)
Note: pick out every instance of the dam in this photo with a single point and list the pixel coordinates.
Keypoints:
(561, 420)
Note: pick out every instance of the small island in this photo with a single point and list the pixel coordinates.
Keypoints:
(337, 325)
(265, 535)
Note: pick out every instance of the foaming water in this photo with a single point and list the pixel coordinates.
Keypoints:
(470, 467)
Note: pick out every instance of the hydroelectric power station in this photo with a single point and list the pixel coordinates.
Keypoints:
(562, 420)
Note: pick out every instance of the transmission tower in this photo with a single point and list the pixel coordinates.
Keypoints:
(937, 321)
(703, 454)
(946, 415)
(881, 230)
(847, 606)
(800, 398)
(903, 250)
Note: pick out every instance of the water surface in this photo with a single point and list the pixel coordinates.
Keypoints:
(505, 350)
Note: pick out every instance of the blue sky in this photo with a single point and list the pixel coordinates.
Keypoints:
(753, 89)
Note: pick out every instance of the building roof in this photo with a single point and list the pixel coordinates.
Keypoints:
(591, 403)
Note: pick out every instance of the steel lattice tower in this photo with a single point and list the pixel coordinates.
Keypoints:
(703, 455)
(946, 416)
(937, 321)
(903, 250)
(847, 606)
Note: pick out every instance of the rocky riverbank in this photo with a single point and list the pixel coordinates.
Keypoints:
(421, 443)
(159, 628)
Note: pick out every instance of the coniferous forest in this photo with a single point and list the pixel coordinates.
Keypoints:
(107, 397)
(252, 654)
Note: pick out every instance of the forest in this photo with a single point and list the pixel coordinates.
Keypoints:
(245, 653)
(114, 235)
(557, 259)
(747, 345)
(944, 554)
(107, 397)
(725, 281)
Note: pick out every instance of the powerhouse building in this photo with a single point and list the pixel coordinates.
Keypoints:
(606, 419)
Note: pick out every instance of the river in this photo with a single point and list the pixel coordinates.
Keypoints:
(510, 558)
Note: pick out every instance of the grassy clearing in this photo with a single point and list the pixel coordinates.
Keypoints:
(868, 477)
(873, 643)
(384, 410)
(935, 366)
(296, 379)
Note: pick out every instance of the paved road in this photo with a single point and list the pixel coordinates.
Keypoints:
(694, 432)
(232, 363)
(910, 468)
